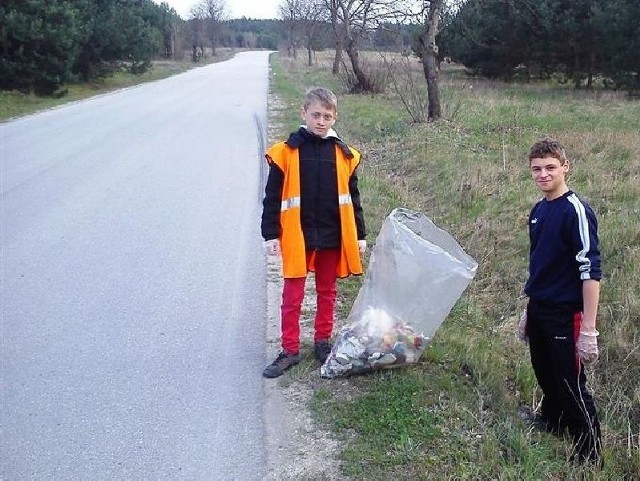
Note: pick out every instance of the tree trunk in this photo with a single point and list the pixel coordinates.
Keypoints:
(592, 62)
(430, 59)
(174, 50)
(363, 82)
(309, 55)
(337, 32)
(337, 59)
(576, 72)
(293, 49)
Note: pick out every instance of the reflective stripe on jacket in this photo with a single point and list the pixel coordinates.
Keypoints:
(294, 262)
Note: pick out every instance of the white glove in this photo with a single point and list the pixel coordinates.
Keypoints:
(522, 327)
(272, 247)
(587, 346)
(362, 246)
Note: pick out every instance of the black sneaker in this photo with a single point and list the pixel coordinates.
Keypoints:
(536, 421)
(322, 349)
(283, 362)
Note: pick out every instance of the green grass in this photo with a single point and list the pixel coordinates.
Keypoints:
(453, 415)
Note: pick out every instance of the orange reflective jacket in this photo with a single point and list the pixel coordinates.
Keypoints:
(294, 259)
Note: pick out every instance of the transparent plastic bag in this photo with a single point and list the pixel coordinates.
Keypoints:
(416, 274)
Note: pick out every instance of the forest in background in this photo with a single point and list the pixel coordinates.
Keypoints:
(45, 44)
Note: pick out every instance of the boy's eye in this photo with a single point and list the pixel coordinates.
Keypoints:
(318, 116)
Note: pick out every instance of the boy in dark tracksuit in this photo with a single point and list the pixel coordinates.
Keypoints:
(313, 219)
(563, 290)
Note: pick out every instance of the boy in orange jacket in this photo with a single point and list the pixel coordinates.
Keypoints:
(313, 218)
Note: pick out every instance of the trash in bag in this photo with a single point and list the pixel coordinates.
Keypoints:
(416, 274)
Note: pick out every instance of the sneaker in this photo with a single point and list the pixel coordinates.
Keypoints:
(283, 362)
(322, 349)
(536, 421)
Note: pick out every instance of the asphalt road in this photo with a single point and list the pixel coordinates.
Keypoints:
(133, 282)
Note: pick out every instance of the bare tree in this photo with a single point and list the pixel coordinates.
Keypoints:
(332, 7)
(432, 12)
(305, 22)
(290, 12)
(313, 19)
(359, 18)
(408, 84)
(213, 13)
(197, 16)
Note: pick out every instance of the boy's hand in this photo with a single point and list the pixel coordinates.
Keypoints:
(362, 246)
(522, 327)
(272, 247)
(587, 346)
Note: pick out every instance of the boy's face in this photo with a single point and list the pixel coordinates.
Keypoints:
(549, 175)
(318, 118)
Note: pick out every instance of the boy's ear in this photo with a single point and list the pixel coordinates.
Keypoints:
(302, 112)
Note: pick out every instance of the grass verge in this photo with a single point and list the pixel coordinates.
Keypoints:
(454, 414)
(15, 104)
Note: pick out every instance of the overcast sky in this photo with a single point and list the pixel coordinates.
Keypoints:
(235, 8)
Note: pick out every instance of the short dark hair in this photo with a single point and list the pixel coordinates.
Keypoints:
(545, 147)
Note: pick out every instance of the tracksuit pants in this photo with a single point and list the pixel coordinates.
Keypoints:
(553, 330)
(326, 263)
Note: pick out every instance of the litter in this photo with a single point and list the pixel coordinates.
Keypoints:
(416, 274)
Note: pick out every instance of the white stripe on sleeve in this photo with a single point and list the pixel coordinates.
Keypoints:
(583, 226)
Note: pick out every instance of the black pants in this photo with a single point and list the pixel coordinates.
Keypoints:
(567, 404)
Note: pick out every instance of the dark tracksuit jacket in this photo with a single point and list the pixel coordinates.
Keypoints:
(319, 210)
(564, 252)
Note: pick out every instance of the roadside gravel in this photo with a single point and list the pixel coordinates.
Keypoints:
(298, 448)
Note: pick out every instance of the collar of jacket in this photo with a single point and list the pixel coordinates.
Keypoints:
(302, 135)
